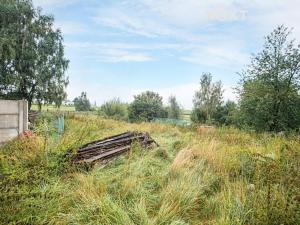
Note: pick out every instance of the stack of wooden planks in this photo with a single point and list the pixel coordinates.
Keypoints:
(111, 147)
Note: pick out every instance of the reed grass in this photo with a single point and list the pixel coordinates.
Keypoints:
(223, 177)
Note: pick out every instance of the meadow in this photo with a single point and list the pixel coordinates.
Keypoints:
(197, 176)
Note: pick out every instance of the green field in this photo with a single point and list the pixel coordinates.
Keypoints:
(222, 176)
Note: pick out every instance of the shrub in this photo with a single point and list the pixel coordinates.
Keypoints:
(174, 108)
(198, 116)
(115, 109)
(225, 114)
(269, 92)
(146, 107)
(82, 103)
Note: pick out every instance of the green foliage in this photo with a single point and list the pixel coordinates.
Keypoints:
(115, 109)
(146, 106)
(207, 98)
(225, 114)
(82, 103)
(273, 186)
(30, 188)
(173, 108)
(234, 178)
(270, 99)
(32, 62)
(198, 115)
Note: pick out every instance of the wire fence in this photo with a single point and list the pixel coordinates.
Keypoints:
(177, 122)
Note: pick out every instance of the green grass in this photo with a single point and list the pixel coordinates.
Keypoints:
(221, 177)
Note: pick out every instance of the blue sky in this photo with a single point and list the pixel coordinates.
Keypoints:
(118, 48)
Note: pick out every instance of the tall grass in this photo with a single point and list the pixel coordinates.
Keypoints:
(224, 177)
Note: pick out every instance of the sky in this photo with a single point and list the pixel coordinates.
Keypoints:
(119, 48)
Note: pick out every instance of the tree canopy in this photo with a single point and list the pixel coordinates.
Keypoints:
(173, 108)
(32, 61)
(146, 106)
(270, 85)
(207, 99)
(225, 113)
(82, 103)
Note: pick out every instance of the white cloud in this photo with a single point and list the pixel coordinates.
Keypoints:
(116, 55)
(211, 53)
(132, 24)
(195, 12)
(266, 15)
(53, 3)
(221, 55)
(126, 45)
(180, 20)
(99, 93)
(111, 52)
(69, 27)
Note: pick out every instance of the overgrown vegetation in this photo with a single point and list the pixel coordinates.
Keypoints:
(173, 108)
(207, 99)
(82, 103)
(147, 106)
(270, 99)
(222, 176)
(198, 175)
(115, 109)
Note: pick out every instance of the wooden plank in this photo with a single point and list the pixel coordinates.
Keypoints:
(106, 154)
(97, 145)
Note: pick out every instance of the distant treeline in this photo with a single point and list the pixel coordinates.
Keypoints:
(32, 67)
(268, 91)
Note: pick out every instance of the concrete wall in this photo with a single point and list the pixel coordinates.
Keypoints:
(13, 119)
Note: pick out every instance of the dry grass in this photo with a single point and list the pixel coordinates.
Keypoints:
(192, 178)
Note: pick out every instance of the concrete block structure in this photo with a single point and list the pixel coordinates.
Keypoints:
(13, 119)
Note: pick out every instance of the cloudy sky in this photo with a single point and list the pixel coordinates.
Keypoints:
(119, 48)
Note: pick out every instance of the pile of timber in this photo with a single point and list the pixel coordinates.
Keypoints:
(111, 147)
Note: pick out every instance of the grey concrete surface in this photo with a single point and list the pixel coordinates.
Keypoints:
(13, 119)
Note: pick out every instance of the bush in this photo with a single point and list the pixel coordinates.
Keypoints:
(225, 114)
(82, 103)
(147, 106)
(115, 109)
(198, 116)
(269, 92)
(174, 108)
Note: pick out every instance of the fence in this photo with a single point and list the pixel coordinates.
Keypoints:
(177, 122)
(13, 119)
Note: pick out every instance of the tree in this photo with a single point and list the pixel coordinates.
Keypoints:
(174, 108)
(269, 93)
(198, 115)
(225, 114)
(82, 103)
(115, 109)
(32, 62)
(207, 98)
(146, 106)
